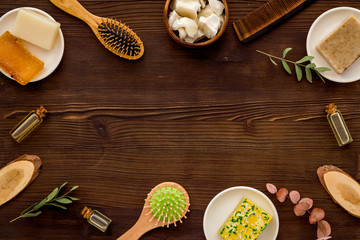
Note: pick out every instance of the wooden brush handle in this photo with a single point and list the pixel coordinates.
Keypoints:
(74, 8)
(142, 226)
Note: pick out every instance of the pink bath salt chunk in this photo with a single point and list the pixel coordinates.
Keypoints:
(323, 229)
(294, 196)
(271, 188)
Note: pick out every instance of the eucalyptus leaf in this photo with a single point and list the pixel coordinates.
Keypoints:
(311, 65)
(298, 71)
(305, 59)
(29, 208)
(40, 204)
(63, 200)
(35, 214)
(57, 205)
(298, 65)
(308, 74)
(50, 200)
(322, 69)
(62, 186)
(73, 198)
(272, 60)
(286, 51)
(53, 194)
(321, 77)
(73, 188)
(286, 66)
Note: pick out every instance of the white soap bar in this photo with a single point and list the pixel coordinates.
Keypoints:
(36, 29)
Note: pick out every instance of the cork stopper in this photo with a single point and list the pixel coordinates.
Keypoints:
(331, 108)
(86, 212)
(41, 111)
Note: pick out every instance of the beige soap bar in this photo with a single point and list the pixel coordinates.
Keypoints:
(342, 47)
(35, 28)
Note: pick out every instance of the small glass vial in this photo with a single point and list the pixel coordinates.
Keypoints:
(28, 124)
(95, 218)
(338, 125)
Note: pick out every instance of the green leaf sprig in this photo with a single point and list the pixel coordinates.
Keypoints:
(53, 199)
(309, 67)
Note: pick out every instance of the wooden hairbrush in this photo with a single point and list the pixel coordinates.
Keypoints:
(267, 17)
(114, 35)
(167, 203)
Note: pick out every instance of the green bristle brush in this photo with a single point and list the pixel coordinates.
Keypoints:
(166, 204)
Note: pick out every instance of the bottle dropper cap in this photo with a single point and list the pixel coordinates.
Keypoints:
(331, 108)
(41, 111)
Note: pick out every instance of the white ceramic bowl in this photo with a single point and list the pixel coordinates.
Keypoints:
(324, 25)
(51, 58)
(222, 205)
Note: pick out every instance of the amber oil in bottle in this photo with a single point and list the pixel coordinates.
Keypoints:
(28, 124)
(338, 125)
(95, 218)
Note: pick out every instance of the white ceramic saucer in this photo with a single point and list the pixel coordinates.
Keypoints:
(51, 58)
(222, 205)
(325, 24)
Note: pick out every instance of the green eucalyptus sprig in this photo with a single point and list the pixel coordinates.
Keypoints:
(53, 199)
(309, 67)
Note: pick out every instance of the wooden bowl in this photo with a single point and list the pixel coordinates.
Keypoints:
(202, 43)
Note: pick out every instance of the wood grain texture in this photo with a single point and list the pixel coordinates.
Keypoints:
(118, 128)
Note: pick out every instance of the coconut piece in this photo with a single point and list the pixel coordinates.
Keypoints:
(209, 25)
(190, 26)
(17, 175)
(203, 3)
(198, 36)
(172, 18)
(343, 189)
(187, 8)
(217, 6)
(206, 12)
(182, 33)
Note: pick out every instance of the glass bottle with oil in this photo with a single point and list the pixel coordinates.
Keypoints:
(338, 125)
(95, 218)
(28, 124)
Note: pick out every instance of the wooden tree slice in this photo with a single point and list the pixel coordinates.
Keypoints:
(343, 189)
(17, 175)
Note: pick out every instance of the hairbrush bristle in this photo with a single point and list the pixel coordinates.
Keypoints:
(266, 17)
(120, 39)
(168, 204)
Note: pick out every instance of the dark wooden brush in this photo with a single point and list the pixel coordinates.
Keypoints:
(266, 17)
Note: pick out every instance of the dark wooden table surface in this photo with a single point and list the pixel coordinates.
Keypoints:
(208, 119)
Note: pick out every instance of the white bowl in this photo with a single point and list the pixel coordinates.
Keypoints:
(222, 205)
(51, 58)
(324, 25)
